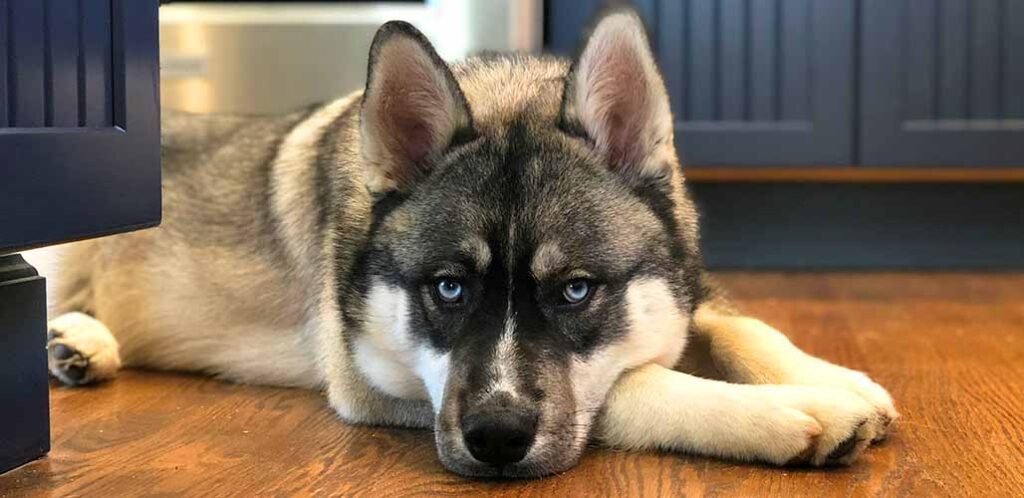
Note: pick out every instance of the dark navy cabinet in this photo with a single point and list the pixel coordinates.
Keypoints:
(79, 119)
(942, 82)
(79, 157)
(763, 82)
(927, 83)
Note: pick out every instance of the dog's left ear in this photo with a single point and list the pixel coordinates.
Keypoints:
(615, 96)
(413, 109)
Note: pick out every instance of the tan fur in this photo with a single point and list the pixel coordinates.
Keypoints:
(547, 260)
(655, 407)
(798, 409)
(654, 318)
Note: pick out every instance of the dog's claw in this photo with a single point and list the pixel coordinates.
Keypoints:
(843, 449)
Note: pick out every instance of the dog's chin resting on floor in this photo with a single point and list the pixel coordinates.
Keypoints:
(502, 250)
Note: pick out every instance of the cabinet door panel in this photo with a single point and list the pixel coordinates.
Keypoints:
(765, 82)
(759, 83)
(942, 83)
(79, 123)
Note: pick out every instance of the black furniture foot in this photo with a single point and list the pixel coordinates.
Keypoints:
(24, 388)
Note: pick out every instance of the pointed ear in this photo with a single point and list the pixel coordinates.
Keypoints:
(413, 109)
(614, 95)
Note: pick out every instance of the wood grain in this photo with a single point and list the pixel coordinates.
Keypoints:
(949, 346)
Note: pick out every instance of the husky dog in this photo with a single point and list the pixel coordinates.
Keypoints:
(502, 250)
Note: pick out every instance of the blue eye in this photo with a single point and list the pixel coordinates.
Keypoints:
(576, 291)
(449, 290)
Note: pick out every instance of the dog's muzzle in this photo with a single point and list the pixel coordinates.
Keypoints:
(499, 433)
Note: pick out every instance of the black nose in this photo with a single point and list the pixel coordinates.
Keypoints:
(499, 436)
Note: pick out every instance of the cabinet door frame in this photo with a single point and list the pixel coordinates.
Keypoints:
(887, 137)
(63, 183)
(825, 139)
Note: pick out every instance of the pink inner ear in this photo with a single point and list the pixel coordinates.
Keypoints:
(415, 138)
(411, 109)
(410, 135)
(615, 109)
(625, 124)
(625, 96)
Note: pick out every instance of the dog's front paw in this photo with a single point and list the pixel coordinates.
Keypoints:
(849, 423)
(81, 349)
(810, 425)
(816, 372)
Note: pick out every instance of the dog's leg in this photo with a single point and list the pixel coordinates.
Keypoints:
(81, 349)
(653, 407)
(746, 350)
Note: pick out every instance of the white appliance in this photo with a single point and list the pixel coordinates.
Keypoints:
(271, 57)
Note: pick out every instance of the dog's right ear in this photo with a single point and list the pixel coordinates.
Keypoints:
(615, 96)
(413, 109)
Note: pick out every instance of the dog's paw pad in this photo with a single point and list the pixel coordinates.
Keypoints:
(68, 364)
(62, 352)
(81, 350)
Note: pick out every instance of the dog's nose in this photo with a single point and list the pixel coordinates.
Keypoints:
(499, 436)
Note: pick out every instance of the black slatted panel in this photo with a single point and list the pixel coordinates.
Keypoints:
(942, 82)
(55, 64)
(763, 55)
(760, 81)
(95, 40)
(796, 33)
(738, 60)
(700, 80)
(4, 54)
(80, 141)
(734, 59)
(952, 48)
(1012, 55)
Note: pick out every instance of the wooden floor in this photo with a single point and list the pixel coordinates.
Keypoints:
(949, 347)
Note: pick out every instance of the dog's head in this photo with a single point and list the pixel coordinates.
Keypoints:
(531, 240)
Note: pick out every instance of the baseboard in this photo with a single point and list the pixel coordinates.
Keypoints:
(864, 225)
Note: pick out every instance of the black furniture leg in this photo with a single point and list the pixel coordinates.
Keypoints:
(24, 388)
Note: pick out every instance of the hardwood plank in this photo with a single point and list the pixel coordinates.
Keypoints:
(949, 346)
